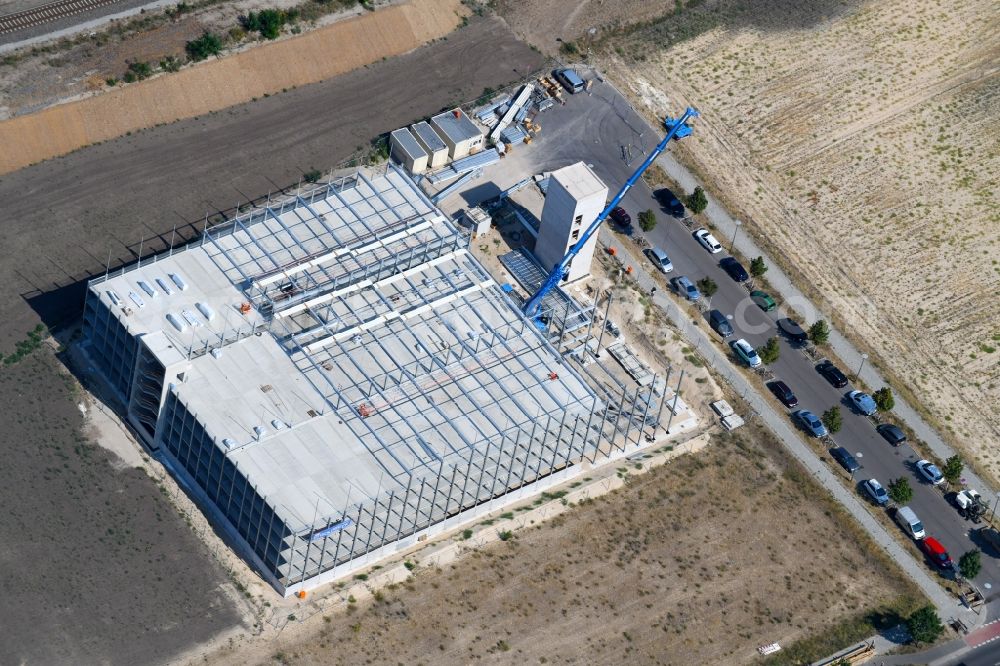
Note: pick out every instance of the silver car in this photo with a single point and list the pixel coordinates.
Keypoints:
(659, 259)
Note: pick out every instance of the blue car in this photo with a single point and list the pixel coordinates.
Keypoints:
(862, 402)
(686, 288)
(811, 423)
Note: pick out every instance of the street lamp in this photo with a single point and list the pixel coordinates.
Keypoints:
(864, 357)
(732, 243)
(994, 515)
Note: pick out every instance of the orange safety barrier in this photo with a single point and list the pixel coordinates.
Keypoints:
(612, 251)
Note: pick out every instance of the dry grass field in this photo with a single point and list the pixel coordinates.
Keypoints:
(861, 143)
(697, 562)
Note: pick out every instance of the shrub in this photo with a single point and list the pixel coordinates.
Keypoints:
(313, 175)
(208, 44)
(506, 535)
(832, 419)
(924, 625)
(268, 22)
(770, 351)
(970, 564)
(900, 491)
(697, 201)
(569, 48)
(758, 267)
(884, 399)
(707, 286)
(952, 469)
(170, 64)
(466, 534)
(111, 81)
(819, 332)
(647, 220)
(137, 71)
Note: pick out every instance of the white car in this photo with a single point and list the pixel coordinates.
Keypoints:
(746, 352)
(708, 241)
(930, 472)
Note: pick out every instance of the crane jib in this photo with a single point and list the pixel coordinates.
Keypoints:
(678, 130)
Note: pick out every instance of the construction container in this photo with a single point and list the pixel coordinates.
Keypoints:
(406, 150)
(437, 151)
(458, 131)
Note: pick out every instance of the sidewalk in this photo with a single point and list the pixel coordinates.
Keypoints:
(843, 348)
(947, 605)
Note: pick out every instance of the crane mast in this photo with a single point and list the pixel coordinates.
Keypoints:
(677, 130)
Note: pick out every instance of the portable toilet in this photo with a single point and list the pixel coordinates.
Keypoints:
(437, 152)
(462, 136)
(407, 151)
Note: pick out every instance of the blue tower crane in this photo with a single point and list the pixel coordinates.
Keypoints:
(677, 130)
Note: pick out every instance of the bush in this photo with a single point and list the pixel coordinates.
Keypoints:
(707, 286)
(770, 351)
(268, 22)
(111, 81)
(832, 419)
(313, 175)
(208, 44)
(970, 564)
(900, 491)
(569, 48)
(819, 332)
(170, 64)
(697, 201)
(884, 399)
(952, 469)
(647, 220)
(139, 71)
(924, 625)
(758, 267)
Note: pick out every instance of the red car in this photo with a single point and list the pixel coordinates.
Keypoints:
(936, 553)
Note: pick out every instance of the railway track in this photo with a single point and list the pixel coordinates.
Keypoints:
(46, 13)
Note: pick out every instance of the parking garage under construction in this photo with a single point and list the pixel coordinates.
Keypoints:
(335, 376)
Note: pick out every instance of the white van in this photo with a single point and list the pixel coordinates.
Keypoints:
(910, 523)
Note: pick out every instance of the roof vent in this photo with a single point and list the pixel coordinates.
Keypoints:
(259, 431)
(178, 280)
(115, 300)
(228, 443)
(137, 299)
(175, 321)
(164, 286)
(277, 424)
(147, 288)
(206, 311)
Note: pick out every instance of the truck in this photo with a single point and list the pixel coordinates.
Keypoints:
(970, 504)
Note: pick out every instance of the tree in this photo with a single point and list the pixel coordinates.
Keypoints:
(647, 220)
(819, 332)
(707, 286)
(770, 351)
(900, 491)
(758, 267)
(697, 201)
(884, 399)
(952, 469)
(208, 44)
(924, 625)
(832, 419)
(970, 564)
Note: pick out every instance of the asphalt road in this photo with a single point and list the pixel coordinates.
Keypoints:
(598, 128)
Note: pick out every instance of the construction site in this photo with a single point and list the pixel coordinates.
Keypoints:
(335, 377)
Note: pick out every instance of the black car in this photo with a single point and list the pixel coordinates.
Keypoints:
(669, 201)
(720, 323)
(832, 374)
(892, 433)
(622, 220)
(783, 393)
(735, 269)
(792, 330)
(846, 460)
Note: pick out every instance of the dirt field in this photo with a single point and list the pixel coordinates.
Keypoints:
(860, 143)
(218, 84)
(95, 565)
(655, 573)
